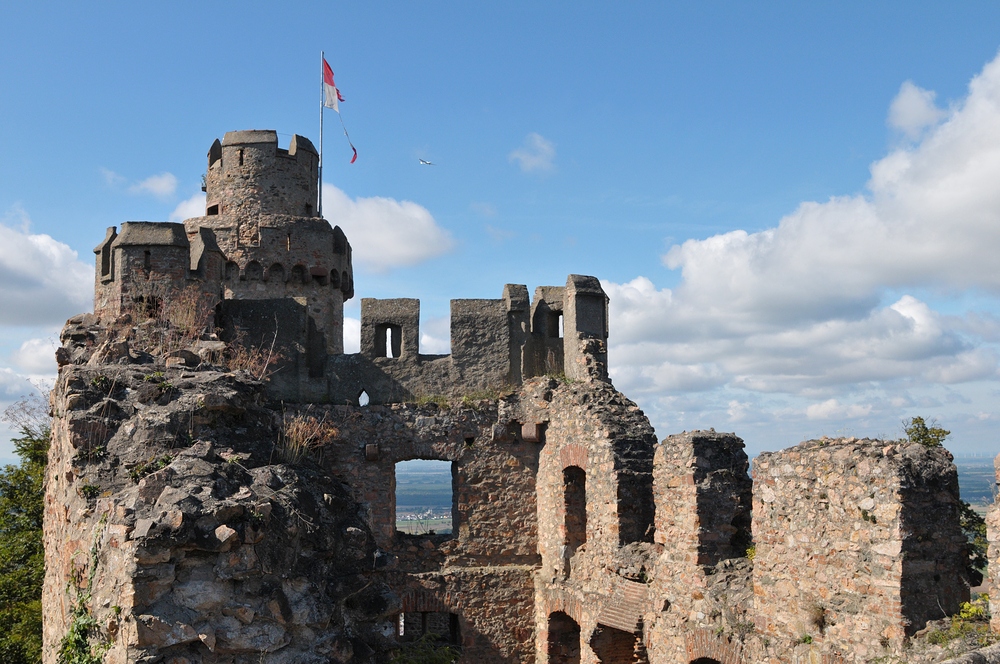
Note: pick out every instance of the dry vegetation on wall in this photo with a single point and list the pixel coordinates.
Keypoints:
(258, 361)
(302, 434)
(162, 319)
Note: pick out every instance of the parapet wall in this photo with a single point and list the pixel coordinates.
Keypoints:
(492, 345)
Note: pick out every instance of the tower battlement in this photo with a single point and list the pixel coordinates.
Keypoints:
(249, 174)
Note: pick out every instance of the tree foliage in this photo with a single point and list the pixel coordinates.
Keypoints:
(918, 431)
(22, 560)
(974, 528)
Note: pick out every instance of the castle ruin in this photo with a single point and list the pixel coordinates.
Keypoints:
(184, 526)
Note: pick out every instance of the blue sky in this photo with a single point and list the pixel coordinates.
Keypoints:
(792, 206)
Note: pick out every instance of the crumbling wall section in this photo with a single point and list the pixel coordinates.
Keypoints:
(700, 587)
(703, 497)
(993, 553)
(598, 453)
(184, 533)
(854, 540)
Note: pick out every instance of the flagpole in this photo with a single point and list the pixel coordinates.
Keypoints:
(319, 189)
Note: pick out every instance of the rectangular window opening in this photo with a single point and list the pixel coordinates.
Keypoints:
(424, 497)
(437, 626)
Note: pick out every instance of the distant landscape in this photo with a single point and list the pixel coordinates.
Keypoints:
(423, 497)
(976, 481)
(423, 492)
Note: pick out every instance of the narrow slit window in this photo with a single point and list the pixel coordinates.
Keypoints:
(388, 341)
(575, 504)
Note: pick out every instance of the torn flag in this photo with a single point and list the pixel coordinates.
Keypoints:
(332, 95)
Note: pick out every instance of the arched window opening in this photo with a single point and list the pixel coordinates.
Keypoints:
(564, 639)
(363, 398)
(615, 646)
(705, 660)
(254, 272)
(575, 502)
(232, 271)
(335, 278)
(319, 275)
(276, 273)
(106, 261)
(299, 275)
(425, 497)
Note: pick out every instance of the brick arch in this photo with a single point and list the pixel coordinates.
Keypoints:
(416, 600)
(703, 644)
(572, 454)
(571, 606)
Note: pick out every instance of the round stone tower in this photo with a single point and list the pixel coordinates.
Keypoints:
(249, 174)
(261, 211)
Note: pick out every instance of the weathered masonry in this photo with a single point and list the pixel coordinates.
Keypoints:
(196, 514)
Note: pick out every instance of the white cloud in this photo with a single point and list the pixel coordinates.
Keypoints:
(499, 235)
(537, 154)
(42, 281)
(111, 178)
(913, 110)
(13, 386)
(192, 207)
(435, 336)
(799, 316)
(385, 233)
(931, 218)
(36, 356)
(352, 335)
(833, 409)
(163, 185)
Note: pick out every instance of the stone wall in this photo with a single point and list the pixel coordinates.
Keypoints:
(993, 554)
(170, 490)
(857, 543)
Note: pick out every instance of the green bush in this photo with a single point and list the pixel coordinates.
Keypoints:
(917, 431)
(22, 559)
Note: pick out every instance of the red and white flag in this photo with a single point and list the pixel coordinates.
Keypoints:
(332, 94)
(332, 99)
